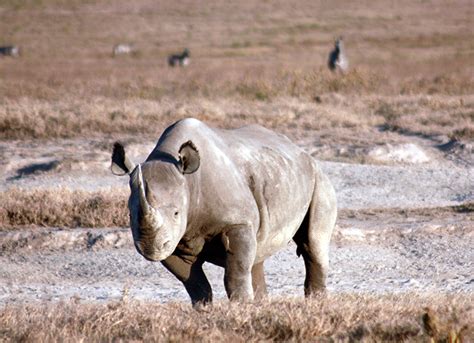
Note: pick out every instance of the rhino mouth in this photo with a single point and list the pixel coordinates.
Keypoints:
(153, 253)
(151, 258)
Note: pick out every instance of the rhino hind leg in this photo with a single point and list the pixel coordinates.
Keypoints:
(314, 235)
(258, 281)
(316, 262)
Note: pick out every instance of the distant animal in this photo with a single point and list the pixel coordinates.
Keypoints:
(181, 60)
(231, 198)
(123, 49)
(337, 58)
(10, 50)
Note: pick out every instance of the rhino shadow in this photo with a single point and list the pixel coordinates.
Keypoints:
(35, 168)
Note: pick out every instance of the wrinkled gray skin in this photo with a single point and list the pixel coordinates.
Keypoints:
(232, 198)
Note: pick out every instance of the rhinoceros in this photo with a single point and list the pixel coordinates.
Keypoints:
(231, 198)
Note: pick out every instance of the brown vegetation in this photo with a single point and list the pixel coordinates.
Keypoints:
(252, 63)
(412, 213)
(255, 49)
(368, 318)
(405, 72)
(428, 116)
(28, 118)
(422, 115)
(63, 208)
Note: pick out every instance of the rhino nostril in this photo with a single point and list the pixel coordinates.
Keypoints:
(166, 244)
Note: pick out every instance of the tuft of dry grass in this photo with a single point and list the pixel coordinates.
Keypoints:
(343, 317)
(63, 208)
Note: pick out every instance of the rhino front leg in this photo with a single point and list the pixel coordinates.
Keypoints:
(192, 276)
(241, 247)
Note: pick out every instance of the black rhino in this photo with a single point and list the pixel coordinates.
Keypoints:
(232, 198)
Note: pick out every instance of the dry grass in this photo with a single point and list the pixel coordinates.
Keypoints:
(253, 49)
(428, 115)
(344, 318)
(27, 118)
(422, 214)
(251, 62)
(63, 208)
(99, 116)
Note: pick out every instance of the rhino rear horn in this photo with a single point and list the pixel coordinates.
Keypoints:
(189, 159)
(121, 165)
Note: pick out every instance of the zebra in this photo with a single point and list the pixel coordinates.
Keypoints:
(181, 60)
(123, 49)
(10, 50)
(337, 58)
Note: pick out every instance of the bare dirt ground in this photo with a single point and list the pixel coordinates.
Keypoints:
(406, 224)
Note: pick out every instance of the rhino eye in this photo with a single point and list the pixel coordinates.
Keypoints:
(176, 213)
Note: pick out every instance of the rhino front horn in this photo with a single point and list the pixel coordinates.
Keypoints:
(151, 216)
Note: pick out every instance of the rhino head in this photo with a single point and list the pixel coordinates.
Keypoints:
(159, 198)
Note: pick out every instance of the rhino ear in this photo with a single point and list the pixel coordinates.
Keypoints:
(189, 159)
(121, 165)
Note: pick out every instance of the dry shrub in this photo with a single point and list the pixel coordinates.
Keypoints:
(389, 318)
(63, 208)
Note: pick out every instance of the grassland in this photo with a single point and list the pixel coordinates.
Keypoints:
(66, 82)
(252, 62)
(258, 50)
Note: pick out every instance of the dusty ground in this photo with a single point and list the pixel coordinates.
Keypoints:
(399, 228)
(415, 257)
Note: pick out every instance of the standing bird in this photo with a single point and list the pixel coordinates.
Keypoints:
(337, 58)
(181, 60)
